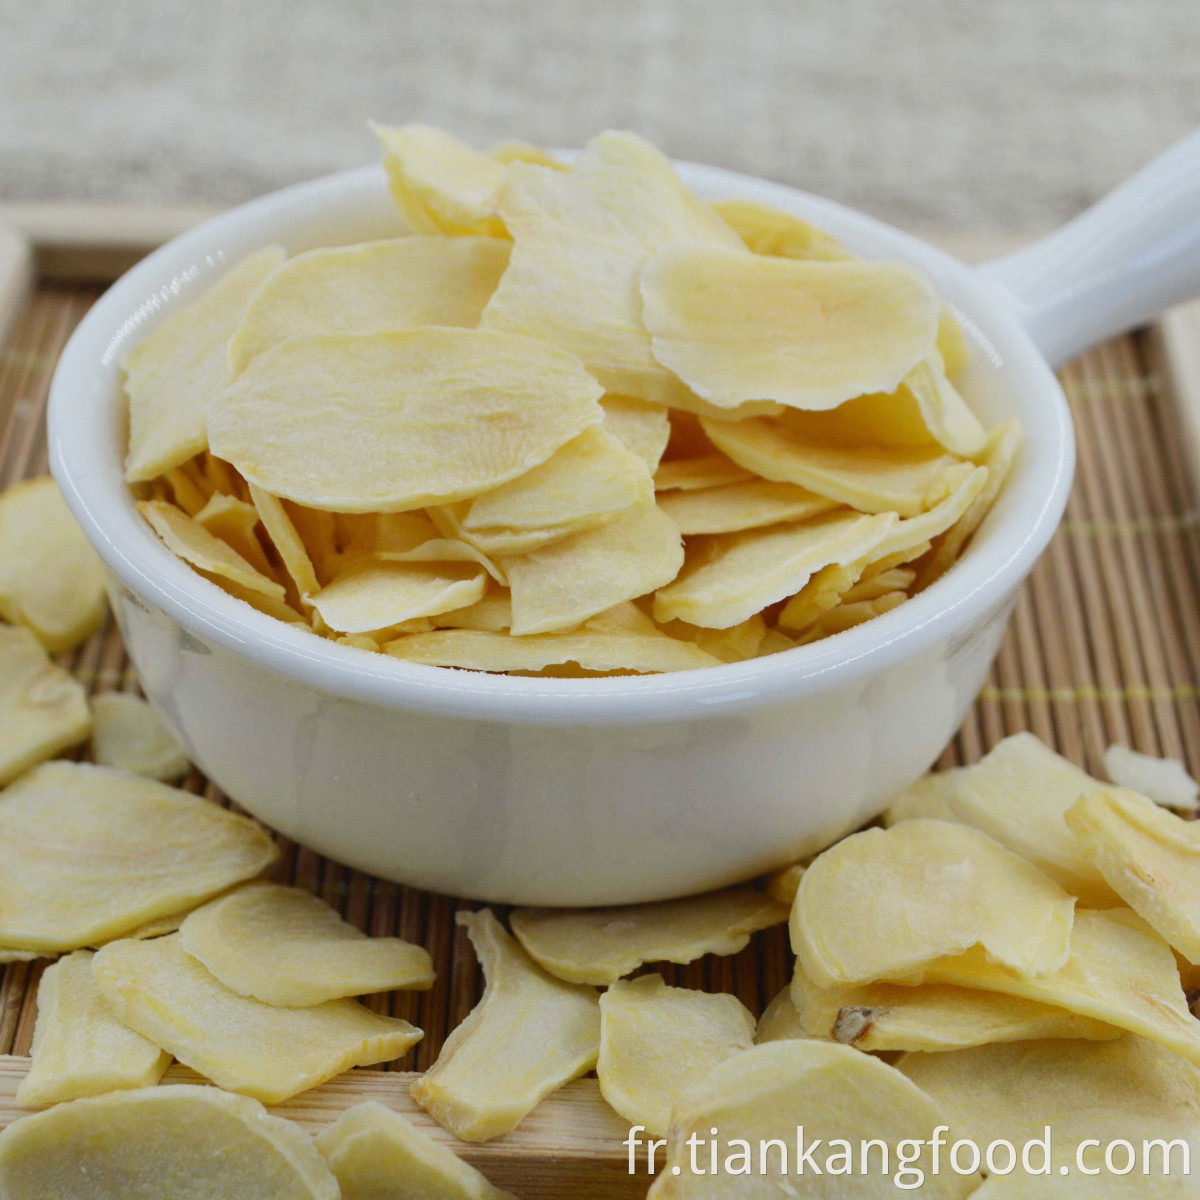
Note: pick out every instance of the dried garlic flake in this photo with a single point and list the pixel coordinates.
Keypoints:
(657, 1041)
(240, 1044)
(527, 1036)
(161, 1142)
(600, 945)
(285, 946)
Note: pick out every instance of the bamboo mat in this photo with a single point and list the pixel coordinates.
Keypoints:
(1104, 646)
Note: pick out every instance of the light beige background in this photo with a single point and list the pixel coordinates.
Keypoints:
(960, 114)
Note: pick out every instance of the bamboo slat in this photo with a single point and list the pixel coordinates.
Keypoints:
(1104, 645)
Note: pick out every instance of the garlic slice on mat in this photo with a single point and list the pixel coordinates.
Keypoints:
(758, 1100)
(88, 852)
(376, 1154)
(130, 735)
(1012, 1090)
(42, 709)
(79, 1047)
(1119, 971)
(1163, 780)
(600, 945)
(529, 1034)
(1149, 856)
(51, 580)
(1018, 794)
(780, 1020)
(657, 1041)
(241, 1044)
(931, 1016)
(159, 1142)
(173, 375)
(885, 904)
(287, 947)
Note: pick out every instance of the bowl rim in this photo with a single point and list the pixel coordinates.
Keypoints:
(978, 584)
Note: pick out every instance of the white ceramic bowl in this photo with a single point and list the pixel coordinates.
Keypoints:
(549, 791)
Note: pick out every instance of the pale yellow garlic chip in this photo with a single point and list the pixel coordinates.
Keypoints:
(847, 616)
(389, 421)
(88, 852)
(735, 644)
(51, 580)
(528, 1035)
(485, 650)
(641, 426)
(377, 1154)
(562, 584)
(8, 955)
(445, 550)
(601, 945)
(513, 150)
(873, 587)
(286, 947)
(235, 522)
(949, 420)
(79, 1047)
(767, 230)
(592, 475)
(780, 1020)
(1119, 971)
(581, 239)
(42, 709)
(783, 884)
(160, 1142)
(822, 592)
(492, 614)
(885, 904)
(498, 543)
(738, 328)
(187, 494)
(656, 1042)
(189, 540)
(372, 288)
(925, 798)
(1163, 780)
(728, 577)
(893, 1016)
(287, 541)
(1149, 857)
(965, 483)
(129, 734)
(1119, 1089)
(875, 479)
(452, 182)
(694, 474)
(736, 506)
(952, 342)
(241, 1044)
(376, 594)
(1018, 794)
(271, 606)
(759, 1099)
(1003, 443)
(172, 376)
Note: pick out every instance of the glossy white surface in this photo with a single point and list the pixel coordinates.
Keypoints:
(538, 790)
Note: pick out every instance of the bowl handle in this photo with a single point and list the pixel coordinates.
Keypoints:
(1114, 266)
